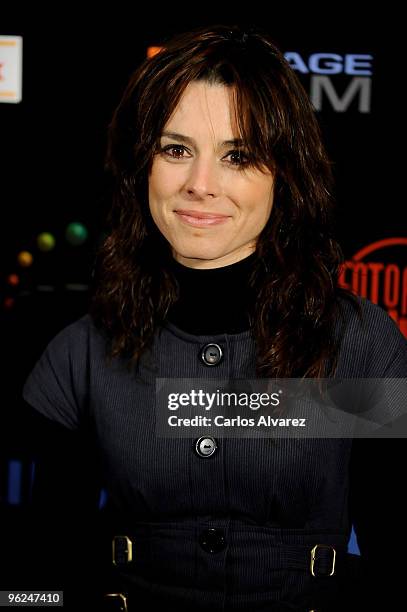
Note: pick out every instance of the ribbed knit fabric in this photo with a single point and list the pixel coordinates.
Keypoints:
(214, 300)
(261, 494)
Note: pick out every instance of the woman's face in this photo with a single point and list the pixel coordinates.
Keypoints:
(206, 202)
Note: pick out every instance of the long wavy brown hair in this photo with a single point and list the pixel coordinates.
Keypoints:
(298, 259)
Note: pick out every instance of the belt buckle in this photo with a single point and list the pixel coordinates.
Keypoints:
(122, 546)
(313, 558)
(119, 599)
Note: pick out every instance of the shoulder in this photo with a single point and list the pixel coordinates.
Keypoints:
(359, 312)
(76, 338)
(372, 338)
(57, 386)
(80, 328)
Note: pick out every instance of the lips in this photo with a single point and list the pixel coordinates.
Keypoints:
(201, 219)
(201, 215)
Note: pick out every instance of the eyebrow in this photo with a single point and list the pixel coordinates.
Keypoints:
(235, 142)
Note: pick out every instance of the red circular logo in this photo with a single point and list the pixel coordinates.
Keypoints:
(378, 272)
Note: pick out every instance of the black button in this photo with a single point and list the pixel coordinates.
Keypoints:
(212, 540)
(205, 447)
(211, 354)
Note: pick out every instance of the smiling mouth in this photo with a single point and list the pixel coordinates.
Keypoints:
(198, 219)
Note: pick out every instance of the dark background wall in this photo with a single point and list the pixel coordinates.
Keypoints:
(51, 168)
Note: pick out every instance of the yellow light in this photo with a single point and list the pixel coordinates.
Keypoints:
(24, 259)
(45, 241)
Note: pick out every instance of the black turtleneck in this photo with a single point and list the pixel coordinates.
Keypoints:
(213, 301)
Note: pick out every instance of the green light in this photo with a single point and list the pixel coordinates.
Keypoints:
(76, 234)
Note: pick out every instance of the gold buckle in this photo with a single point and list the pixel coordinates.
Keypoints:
(128, 550)
(123, 600)
(313, 556)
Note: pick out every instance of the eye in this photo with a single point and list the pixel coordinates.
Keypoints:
(238, 157)
(176, 151)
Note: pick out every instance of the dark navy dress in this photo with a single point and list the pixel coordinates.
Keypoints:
(233, 530)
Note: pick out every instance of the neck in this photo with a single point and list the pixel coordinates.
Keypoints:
(215, 300)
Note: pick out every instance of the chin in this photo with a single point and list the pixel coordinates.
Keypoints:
(208, 252)
(204, 254)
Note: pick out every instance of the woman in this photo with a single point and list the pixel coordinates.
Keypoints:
(220, 263)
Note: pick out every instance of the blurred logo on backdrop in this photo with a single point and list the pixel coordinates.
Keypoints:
(11, 53)
(337, 82)
(378, 272)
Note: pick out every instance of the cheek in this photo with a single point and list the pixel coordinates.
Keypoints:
(258, 201)
(164, 181)
(154, 184)
(162, 187)
(156, 193)
(266, 198)
(155, 197)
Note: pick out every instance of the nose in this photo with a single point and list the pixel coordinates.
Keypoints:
(202, 180)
